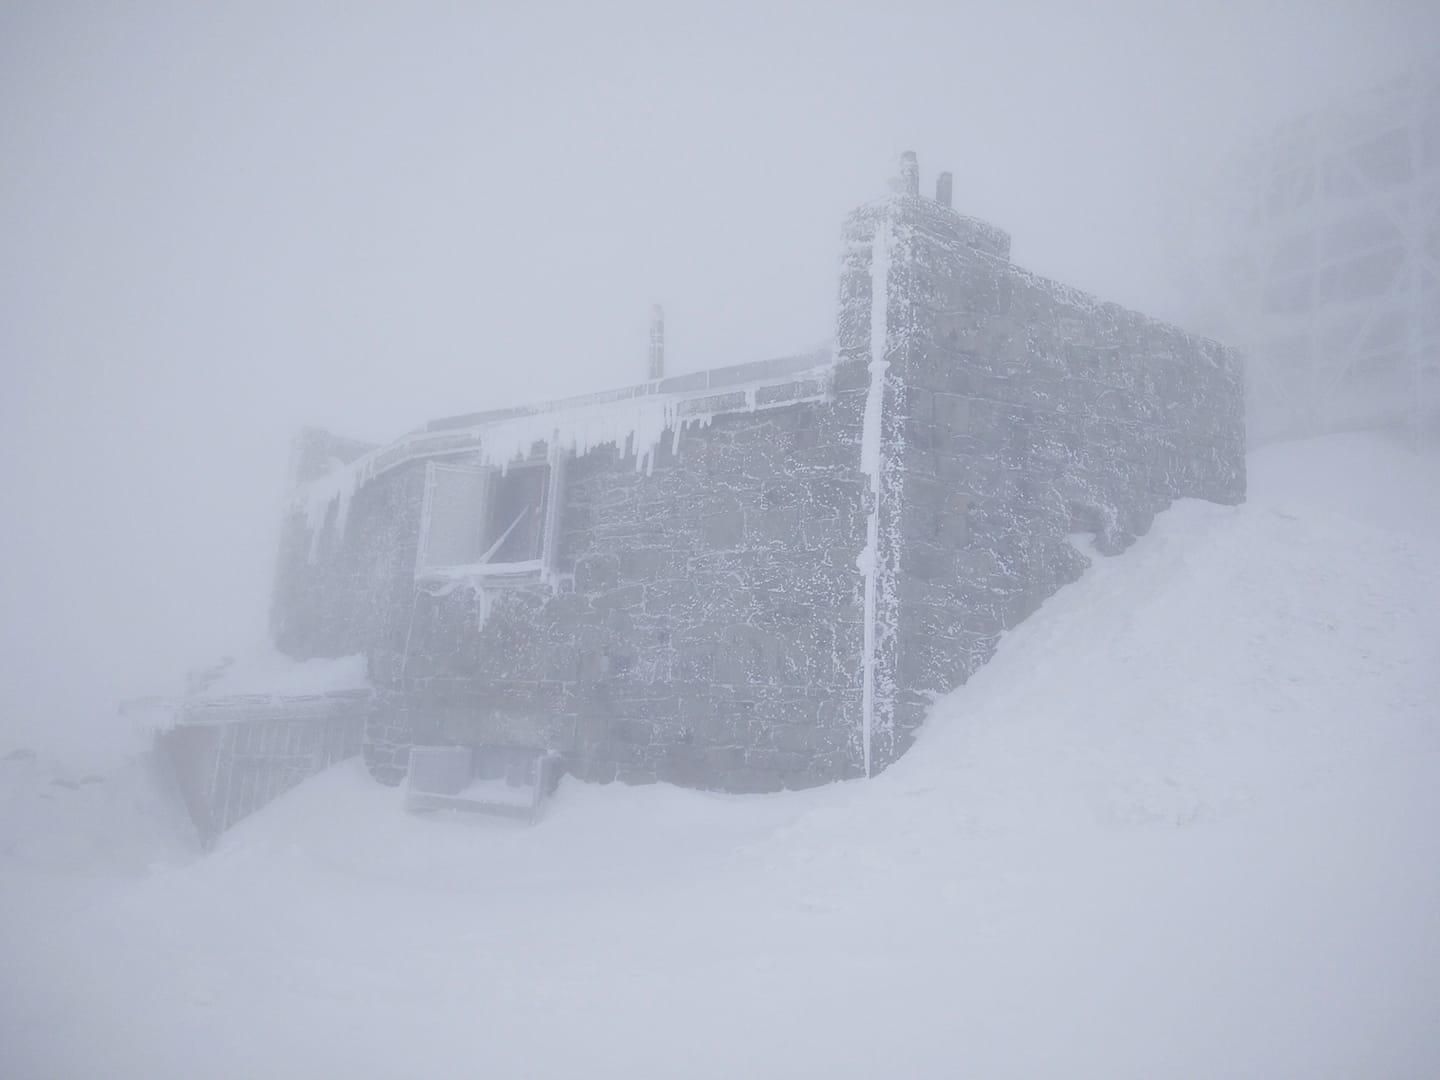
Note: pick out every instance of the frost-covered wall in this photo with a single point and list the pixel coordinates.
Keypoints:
(1017, 412)
(703, 623)
(761, 574)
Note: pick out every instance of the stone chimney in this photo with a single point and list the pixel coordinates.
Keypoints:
(907, 181)
(943, 183)
(657, 342)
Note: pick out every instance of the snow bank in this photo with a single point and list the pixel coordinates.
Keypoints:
(94, 820)
(1183, 824)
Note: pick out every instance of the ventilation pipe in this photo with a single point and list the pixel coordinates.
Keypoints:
(657, 342)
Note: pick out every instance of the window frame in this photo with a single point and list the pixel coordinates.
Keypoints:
(520, 572)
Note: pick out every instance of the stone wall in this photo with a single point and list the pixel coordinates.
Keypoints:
(705, 628)
(1018, 412)
(350, 591)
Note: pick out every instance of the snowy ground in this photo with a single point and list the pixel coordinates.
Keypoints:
(1186, 824)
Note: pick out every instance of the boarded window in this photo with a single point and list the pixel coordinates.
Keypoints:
(454, 528)
(477, 517)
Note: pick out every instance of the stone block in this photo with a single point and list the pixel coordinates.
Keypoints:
(952, 413)
(724, 530)
(597, 571)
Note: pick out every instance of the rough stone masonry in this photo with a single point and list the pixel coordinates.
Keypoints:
(757, 577)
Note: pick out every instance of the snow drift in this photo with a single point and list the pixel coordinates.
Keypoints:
(1183, 824)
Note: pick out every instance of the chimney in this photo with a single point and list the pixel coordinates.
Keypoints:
(657, 342)
(908, 180)
(943, 184)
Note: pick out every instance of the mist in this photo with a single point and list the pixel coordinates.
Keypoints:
(225, 223)
(1174, 817)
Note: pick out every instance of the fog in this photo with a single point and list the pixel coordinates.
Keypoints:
(1137, 722)
(223, 222)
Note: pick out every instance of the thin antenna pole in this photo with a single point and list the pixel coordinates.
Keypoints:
(657, 342)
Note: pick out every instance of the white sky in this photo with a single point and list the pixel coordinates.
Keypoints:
(222, 222)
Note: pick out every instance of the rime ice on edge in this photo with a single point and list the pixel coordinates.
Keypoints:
(870, 451)
(635, 421)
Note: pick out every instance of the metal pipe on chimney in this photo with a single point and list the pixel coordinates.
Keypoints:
(943, 184)
(657, 342)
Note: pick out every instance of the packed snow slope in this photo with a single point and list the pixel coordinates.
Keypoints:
(1186, 824)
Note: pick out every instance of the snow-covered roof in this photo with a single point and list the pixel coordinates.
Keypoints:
(269, 673)
(737, 377)
(260, 681)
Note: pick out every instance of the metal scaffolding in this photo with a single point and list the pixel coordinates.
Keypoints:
(1320, 256)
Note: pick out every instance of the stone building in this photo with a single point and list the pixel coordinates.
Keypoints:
(757, 577)
(746, 579)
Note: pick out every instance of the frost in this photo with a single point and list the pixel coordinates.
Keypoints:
(870, 464)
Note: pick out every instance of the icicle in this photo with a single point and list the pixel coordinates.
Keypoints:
(340, 485)
(634, 425)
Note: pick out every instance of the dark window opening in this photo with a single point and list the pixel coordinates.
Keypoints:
(515, 522)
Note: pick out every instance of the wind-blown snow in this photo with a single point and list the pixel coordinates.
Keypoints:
(1183, 824)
